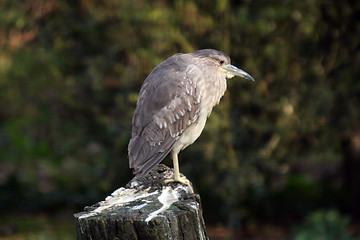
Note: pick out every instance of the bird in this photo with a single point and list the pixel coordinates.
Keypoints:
(173, 105)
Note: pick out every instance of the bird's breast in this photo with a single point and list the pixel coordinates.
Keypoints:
(190, 135)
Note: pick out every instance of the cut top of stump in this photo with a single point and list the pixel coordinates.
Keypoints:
(146, 203)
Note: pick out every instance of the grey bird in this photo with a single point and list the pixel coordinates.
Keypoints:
(173, 105)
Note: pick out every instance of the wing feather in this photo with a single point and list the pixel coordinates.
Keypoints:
(168, 103)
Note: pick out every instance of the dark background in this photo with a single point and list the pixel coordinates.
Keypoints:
(279, 157)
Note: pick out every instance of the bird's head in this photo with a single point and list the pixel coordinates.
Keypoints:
(232, 71)
(221, 62)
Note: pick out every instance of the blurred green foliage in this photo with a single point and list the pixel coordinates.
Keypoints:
(70, 72)
(323, 225)
(36, 227)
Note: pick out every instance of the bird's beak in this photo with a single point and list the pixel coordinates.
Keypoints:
(231, 69)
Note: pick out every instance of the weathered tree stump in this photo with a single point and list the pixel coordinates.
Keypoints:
(146, 209)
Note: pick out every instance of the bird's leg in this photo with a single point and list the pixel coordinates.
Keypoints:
(176, 167)
(177, 177)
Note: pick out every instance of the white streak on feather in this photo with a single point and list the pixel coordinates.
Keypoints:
(189, 104)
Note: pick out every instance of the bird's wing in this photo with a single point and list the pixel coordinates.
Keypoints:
(168, 104)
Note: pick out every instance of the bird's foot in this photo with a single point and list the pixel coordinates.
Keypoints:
(182, 180)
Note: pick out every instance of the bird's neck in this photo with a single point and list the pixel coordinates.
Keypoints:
(214, 90)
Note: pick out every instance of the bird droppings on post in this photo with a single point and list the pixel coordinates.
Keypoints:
(143, 207)
(167, 198)
(121, 197)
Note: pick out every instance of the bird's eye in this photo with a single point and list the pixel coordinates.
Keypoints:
(221, 62)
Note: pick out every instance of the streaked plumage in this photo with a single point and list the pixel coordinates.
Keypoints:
(174, 103)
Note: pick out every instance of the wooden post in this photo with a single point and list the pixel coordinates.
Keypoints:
(145, 210)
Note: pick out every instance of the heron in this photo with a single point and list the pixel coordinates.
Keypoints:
(173, 105)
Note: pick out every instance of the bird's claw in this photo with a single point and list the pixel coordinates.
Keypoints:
(182, 180)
